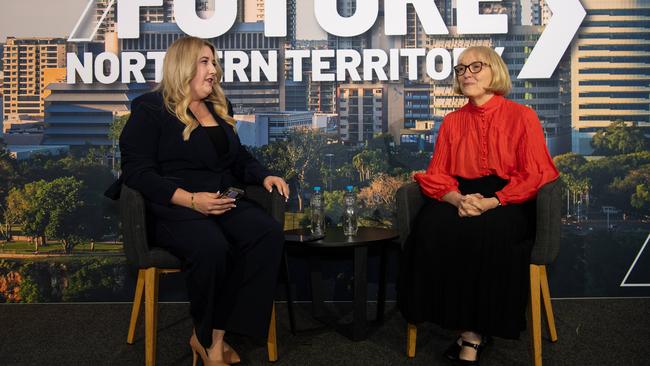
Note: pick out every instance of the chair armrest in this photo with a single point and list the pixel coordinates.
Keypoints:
(274, 203)
(409, 200)
(548, 223)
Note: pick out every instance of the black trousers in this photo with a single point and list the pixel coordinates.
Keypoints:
(231, 264)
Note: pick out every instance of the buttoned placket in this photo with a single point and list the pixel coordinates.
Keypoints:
(483, 131)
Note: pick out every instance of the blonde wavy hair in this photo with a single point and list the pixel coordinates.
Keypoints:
(501, 83)
(179, 69)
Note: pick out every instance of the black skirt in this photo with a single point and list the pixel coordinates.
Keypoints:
(469, 273)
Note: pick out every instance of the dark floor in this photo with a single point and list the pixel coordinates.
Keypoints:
(591, 332)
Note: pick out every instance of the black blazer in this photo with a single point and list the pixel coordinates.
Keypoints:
(156, 161)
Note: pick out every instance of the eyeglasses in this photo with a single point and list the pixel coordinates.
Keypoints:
(474, 67)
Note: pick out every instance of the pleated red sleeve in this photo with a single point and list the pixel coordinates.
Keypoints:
(534, 166)
(438, 181)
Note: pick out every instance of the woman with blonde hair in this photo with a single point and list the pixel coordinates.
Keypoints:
(465, 264)
(180, 150)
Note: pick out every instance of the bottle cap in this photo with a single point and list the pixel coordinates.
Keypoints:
(316, 188)
(349, 188)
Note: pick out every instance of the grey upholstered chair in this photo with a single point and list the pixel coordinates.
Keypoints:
(545, 249)
(151, 262)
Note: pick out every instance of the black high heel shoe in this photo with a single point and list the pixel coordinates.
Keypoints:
(453, 351)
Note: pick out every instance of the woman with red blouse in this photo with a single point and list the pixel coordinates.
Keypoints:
(465, 264)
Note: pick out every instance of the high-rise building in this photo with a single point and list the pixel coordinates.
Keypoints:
(322, 94)
(296, 95)
(110, 20)
(25, 61)
(512, 8)
(253, 11)
(165, 13)
(361, 112)
(348, 8)
(2, 78)
(610, 77)
(415, 36)
(540, 13)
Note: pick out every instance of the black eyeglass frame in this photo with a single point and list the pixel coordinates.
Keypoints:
(469, 67)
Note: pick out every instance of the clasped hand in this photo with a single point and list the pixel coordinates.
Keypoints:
(475, 204)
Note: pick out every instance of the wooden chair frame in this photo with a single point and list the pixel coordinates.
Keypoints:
(146, 289)
(138, 252)
(545, 249)
(538, 285)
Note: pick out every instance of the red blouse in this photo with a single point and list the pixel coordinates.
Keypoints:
(500, 137)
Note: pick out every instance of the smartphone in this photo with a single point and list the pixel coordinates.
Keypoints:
(233, 192)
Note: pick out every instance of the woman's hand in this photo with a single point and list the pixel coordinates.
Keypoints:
(475, 204)
(279, 183)
(486, 204)
(211, 204)
(470, 205)
(467, 205)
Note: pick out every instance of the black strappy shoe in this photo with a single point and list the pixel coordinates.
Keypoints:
(477, 347)
(453, 351)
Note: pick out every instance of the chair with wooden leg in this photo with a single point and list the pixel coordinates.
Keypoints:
(409, 200)
(151, 262)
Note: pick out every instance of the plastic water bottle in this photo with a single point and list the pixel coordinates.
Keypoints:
(316, 205)
(350, 222)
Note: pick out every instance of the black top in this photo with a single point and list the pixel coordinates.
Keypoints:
(218, 138)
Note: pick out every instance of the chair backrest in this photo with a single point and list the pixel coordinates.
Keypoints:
(136, 232)
(548, 225)
(134, 226)
(409, 200)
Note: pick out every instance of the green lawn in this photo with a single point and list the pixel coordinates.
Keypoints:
(18, 247)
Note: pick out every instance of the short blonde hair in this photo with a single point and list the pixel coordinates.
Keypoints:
(501, 83)
(179, 68)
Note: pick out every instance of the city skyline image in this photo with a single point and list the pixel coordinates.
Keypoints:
(333, 107)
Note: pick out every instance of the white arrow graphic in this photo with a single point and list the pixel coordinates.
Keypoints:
(85, 30)
(624, 282)
(555, 39)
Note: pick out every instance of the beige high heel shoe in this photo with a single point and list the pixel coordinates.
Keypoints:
(199, 350)
(230, 355)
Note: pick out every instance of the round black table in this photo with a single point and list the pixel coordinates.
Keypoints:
(335, 239)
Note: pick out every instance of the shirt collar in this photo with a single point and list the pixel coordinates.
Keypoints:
(488, 106)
